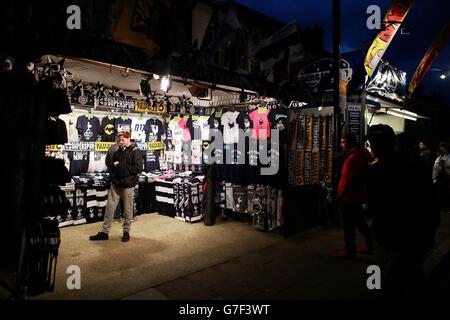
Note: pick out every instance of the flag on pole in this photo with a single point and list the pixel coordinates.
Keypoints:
(429, 57)
(394, 17)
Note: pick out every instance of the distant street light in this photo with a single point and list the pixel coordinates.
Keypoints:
(443, 76)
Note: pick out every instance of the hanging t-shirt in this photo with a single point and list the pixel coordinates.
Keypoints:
(79, 162)
(178, 153)
(151, 160)
(230, 127)
(169, 139)
(261, 124)
(196, 148)
(177, 132)
(97, 162)
(244, 122)
(153, 129)
(204, 125)
(88, 128)
(55, 131)
(122, 124)
(108, 129)
(138, 130)
(195, 129)
(279, 121)
(70, 121)
(185, 125)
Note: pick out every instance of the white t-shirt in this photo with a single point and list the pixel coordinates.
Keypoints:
(196, 148)
(178, 153)
(177, 131)
(230, 127)
(203, 123)
(97, 162)
(138, 129)
(71, 126)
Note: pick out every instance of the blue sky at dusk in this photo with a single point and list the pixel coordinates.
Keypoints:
(424, 21)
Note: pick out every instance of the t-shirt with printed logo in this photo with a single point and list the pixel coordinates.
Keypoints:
(88, 128)
(153, 129)
(261, 124)
(230, 127)
(108, 129)
(138, 133)
(122, 124)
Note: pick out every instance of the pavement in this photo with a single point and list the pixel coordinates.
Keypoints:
(171, 260)
(299, 267)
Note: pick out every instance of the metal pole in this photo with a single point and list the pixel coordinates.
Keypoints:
(336, 69)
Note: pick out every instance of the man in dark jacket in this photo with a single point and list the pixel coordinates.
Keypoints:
(352, 194)
(124, 162)
(401, 203)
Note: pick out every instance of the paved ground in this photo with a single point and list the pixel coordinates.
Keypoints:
(298, 268)
(170, 260)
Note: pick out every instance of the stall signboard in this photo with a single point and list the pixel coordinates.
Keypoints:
(116, 103)
(103, 146)
(354, 120)
(144, 106)
(155, 145)
(53, 148)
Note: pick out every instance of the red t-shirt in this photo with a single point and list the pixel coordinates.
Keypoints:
(261, 124)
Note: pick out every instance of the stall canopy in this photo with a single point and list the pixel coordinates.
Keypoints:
(129, 80)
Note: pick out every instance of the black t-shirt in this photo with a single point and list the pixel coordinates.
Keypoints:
(279, 120)
(244, 121)
(169, 140)
(108, 129)
(88, 128)
(153, 129)
(122, 124)
(79, 162)
(56, 131)
(151, 160)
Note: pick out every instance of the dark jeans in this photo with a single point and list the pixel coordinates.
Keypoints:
(352, 218)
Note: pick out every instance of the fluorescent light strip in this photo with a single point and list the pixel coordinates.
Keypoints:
(393, 113)
(405, 112)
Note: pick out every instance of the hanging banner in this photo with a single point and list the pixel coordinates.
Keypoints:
(116, 103)
(54, 148)
(79, 146)
(300, 156)
(354, 120)
(315, 156)
(103, 146)
(388, 82)
(429, 57)
(323, 147)
(308, 149)
(329, 135)
(394, 16)
(155, 145)
(144, 106)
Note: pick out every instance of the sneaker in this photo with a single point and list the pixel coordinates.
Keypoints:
(344, 254)
(99, 236)
(365, 249)
(125, 237)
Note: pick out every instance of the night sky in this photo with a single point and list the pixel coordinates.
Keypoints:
(425, 20)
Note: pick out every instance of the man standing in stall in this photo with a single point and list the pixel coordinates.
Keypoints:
(124, 164)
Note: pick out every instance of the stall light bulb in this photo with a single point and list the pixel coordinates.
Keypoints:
(165, 82)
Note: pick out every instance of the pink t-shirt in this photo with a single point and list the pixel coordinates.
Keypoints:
(261, 124)
(186, 131)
